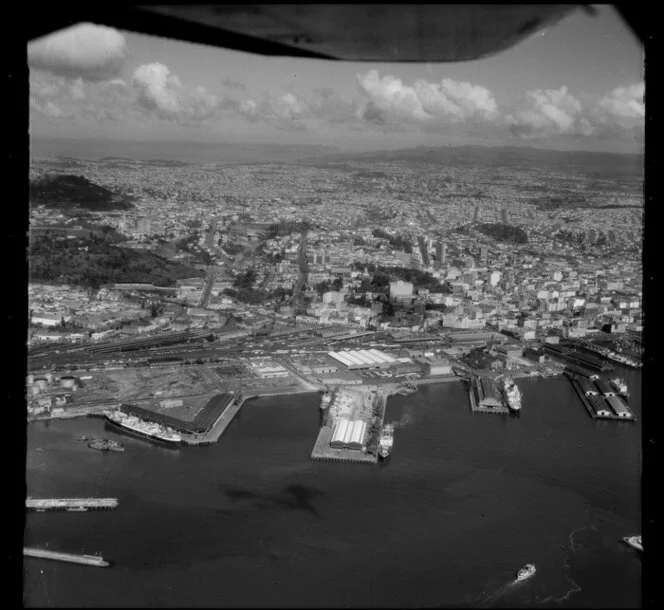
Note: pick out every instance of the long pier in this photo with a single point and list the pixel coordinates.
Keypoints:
(88, 560)
(70, 504)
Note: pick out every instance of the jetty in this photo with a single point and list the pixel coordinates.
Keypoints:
(88, 560)
(70, 504)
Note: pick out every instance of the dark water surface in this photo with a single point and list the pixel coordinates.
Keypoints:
(464, 502)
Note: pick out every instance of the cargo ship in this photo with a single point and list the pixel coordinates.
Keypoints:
(623, 359)
(144, 429)
(511, 393)
(386, 441)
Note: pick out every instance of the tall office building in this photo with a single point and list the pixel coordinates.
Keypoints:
(441, 252)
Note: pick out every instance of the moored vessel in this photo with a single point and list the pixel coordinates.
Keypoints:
(511, 393)
(620, 386)
(386, 441)
(526, 571)
(149, 430)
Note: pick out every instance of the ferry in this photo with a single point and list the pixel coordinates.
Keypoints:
(386, 441)
(526, 571)
(634, 541)
(149, 430)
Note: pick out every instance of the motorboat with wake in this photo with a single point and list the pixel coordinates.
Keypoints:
(526, 571)
(634, 541)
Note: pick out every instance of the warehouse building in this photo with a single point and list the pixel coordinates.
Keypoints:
(349, 434)
(604, 387)
(363, 359)
(437, 366)
(587, 387)
(619, 407)
(600, 406)
(487, 393)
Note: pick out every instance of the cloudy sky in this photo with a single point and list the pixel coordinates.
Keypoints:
(576, 86)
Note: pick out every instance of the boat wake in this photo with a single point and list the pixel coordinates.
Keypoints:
(496, 595)
(571, 549)
(404, 421)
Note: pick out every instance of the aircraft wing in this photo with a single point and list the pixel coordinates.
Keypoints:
(350, 32)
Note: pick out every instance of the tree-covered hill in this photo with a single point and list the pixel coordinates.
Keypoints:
(95, 260)
(67, 190)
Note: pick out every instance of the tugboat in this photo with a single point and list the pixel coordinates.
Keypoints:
(386, 441)
(634, 541)
(526, 571)
(114, 445)
(99, 445)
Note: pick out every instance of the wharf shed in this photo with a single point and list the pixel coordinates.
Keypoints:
(487, 392)
(349, 434)
(579, 370)
(600, 406)
(618, 406)
(587, 387)
(199, 425)
(604, 387)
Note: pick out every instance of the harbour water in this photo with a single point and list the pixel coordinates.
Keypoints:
(465, 501)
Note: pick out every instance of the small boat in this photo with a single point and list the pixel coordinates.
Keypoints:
(84, 438)
(620, 386)
(39, 449)
(526, 571)
(634, 541)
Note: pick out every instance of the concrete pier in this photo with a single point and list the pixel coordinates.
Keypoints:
(219, 427)
(70, 504)
(475, 408)
(89, 560)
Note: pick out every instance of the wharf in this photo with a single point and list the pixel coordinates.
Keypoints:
(219, 427)
(589, 407)
(322, 450)
(89, 560)
(475, 408)
(71, 504)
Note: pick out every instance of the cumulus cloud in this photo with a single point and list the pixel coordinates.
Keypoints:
(550, 112)
(557, 112)
(388, 99)
(162, 92)
(625, 102)
(85, 51)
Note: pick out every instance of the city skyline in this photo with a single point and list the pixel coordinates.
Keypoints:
(576, 86)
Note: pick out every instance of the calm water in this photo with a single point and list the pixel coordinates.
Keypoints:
(466, 500)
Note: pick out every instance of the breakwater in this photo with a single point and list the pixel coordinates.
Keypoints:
(89, 560)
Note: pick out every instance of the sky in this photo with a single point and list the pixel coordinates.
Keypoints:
(577, 85)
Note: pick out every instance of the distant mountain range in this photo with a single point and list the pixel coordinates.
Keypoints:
(182, 153)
